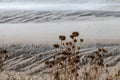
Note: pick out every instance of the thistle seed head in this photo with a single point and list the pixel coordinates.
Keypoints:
(99, 49)
(71, 36)
(56, 45)
(81, 40)
(104, 50)
(62, 37)
(75, 34)
(73, 70)
(75, 40)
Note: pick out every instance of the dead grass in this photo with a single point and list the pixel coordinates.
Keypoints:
(65, 67)
(66, 64)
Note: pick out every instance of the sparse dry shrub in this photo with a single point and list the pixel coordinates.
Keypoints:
(3, 56)
(65, 64)
(114, 77)
(97, 65)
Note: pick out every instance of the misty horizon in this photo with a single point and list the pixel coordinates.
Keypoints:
(67, 1)
(39, 11)
(48, 32)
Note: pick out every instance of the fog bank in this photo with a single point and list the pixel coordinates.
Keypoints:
(96, 29)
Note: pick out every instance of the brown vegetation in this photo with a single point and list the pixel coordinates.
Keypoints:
(3, 56)
(65, 66)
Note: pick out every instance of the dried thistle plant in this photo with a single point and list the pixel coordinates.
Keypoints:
(65, 64)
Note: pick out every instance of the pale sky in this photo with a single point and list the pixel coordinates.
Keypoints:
(60, 0)
(60, 4)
